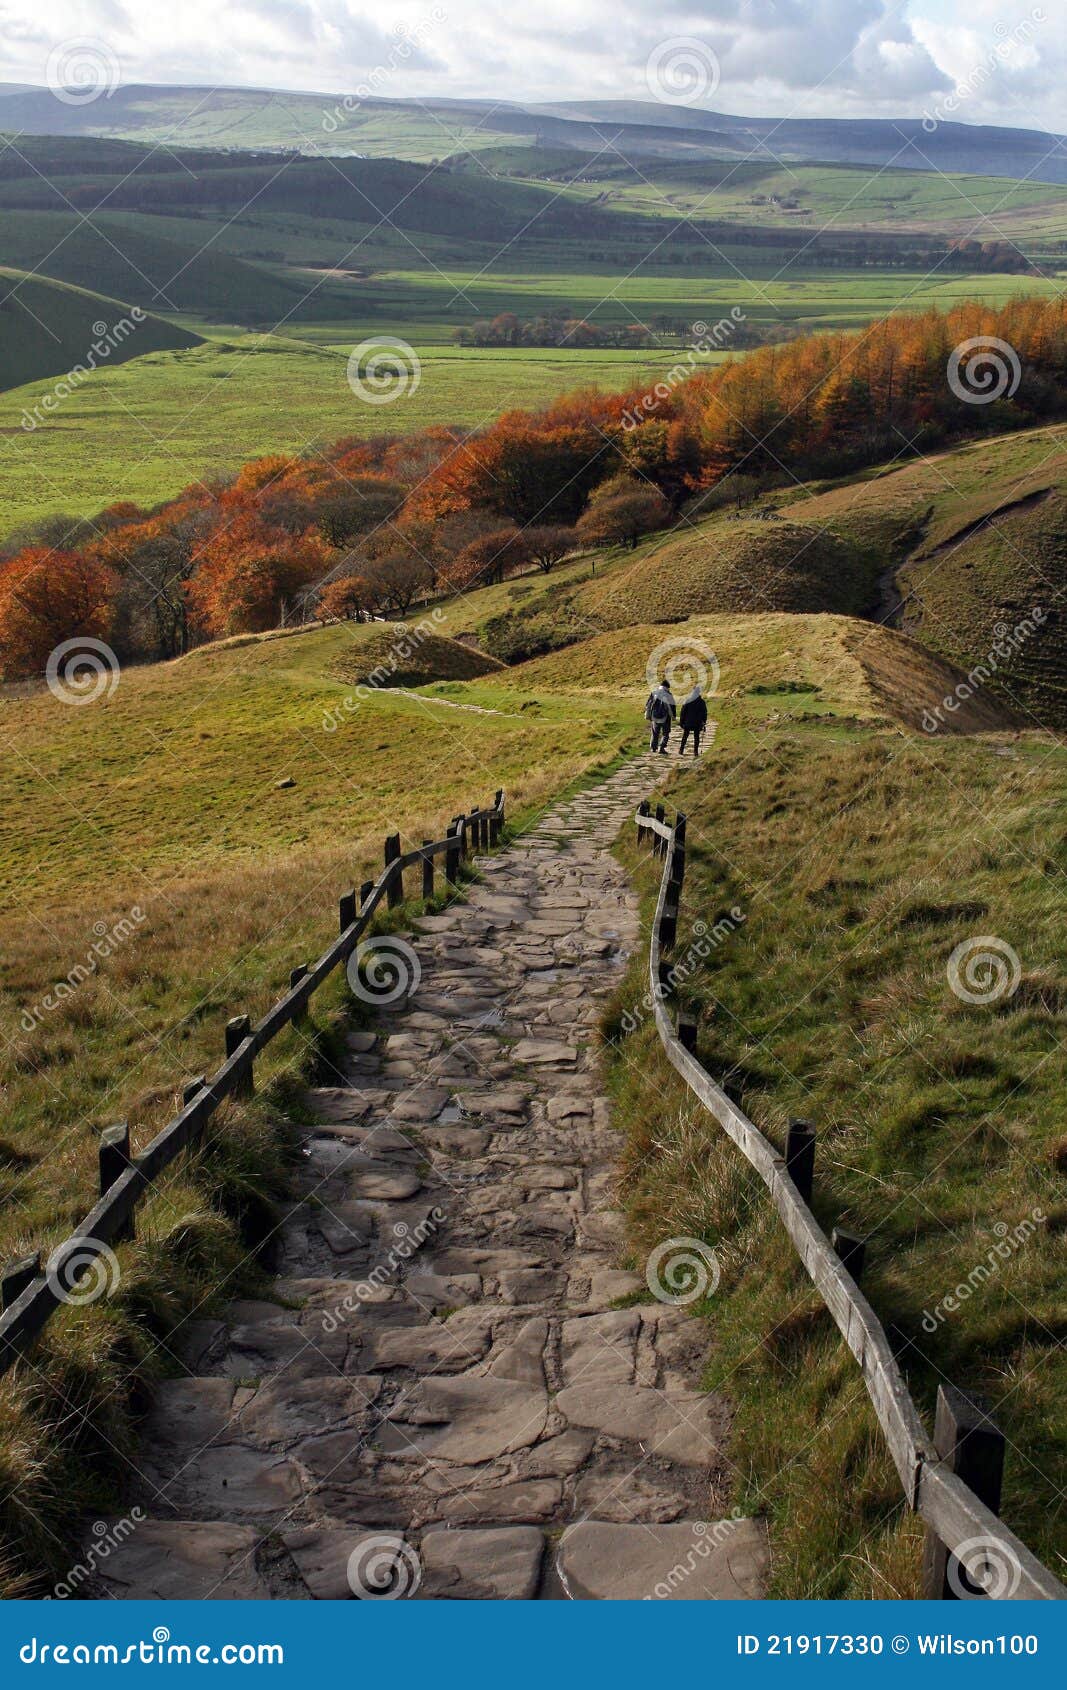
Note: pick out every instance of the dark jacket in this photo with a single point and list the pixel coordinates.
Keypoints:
(694, 713)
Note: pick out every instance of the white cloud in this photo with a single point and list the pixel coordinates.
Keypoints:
(778, 57)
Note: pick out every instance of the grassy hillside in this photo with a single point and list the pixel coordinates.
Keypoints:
(133, 259)
(860, 862)
(970, 543)
(714, 566)
(46, 328)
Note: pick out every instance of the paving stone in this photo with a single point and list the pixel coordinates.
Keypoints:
(700, 1561)
(549, 1051)
(186, 1561)
(684, 1428)
(502, 1565)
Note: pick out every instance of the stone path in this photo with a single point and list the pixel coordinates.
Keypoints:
(445, 1399)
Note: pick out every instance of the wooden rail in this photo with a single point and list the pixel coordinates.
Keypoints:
(957, 1517)
(28, 1296)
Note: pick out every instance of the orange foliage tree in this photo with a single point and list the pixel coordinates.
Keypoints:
(47, 597)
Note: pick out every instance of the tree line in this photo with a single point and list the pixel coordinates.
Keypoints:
(367, 527)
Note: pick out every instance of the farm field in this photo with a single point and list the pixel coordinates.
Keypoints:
(146, 430)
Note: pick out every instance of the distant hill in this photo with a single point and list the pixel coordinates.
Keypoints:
(424, 129)
(47, 328)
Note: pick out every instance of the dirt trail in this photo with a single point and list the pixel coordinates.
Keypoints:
(445, 1401)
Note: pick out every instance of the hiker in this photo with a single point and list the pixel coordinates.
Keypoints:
(693, 720)
(660, 710)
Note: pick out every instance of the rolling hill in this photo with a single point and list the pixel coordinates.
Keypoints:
(47, 328)
(970, 544)
(431, 128)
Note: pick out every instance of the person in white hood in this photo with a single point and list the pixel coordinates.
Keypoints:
(660, 710)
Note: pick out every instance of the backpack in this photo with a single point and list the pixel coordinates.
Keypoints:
(658, 708)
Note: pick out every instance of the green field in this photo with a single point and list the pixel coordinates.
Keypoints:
(146, 430)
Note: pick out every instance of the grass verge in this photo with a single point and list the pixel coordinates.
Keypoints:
(860, 864)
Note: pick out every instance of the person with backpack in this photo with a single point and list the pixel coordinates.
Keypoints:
(693, 720)
(660, 710)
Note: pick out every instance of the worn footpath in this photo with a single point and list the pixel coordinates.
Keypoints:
(443, 1398)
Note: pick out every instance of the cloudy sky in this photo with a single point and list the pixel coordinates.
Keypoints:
(1001, 61)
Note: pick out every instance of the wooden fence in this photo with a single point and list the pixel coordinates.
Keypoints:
(953, 1481)
(28, 1296)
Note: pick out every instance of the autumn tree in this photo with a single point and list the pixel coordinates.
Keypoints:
(348, 598)
(245, 583)
(549, 545)
(489, 558)
(621, 512)
(47, 597)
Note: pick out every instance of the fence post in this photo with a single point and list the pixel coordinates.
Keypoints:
(237, 1031)
(365, 890)
(395, 891)
(800, 1157)
(679, 829)
(472, 828)
(346, 911)
(452, 855)
(483, 832)
(643, 810)
(16, 1276)
(668, 923)
(427, 872)
(302, 1017)
(851, 1249)
(970, 1445)
(114, 1156)
(191, 1088)
(496, 819)
(687, 1029)
(659, 844)
(677, 869)
(459, 828)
